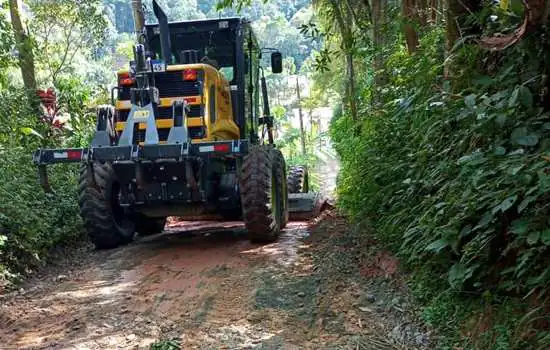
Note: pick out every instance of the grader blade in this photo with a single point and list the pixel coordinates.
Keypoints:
(306, 206)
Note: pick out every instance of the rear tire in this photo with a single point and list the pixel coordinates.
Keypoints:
(105, 221)
(298, 179)
(261, 195)
(146, 226)
(280, 165)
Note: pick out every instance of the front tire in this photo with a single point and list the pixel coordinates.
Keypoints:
(261, 195)
(105, 221)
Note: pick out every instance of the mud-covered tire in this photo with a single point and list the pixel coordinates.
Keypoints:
(280, 164)
(106, 223)
(146, 226)
(260, 195)
(298, 179)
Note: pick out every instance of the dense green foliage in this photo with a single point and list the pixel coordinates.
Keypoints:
(453, 174)
(31, 221)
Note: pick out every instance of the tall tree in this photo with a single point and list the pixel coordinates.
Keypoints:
(64, 30)
(139, 17)
(410, 15)
(339, 13)
(301, 116)
(24, 48)
(378, 23)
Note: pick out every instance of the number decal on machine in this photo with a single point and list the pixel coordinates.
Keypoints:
(142, 114)
(158, 66)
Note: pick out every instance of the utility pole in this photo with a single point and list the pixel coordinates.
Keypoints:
(302, 131)
(139, 18)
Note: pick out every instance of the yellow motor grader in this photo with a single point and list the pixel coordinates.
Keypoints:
(184, 137)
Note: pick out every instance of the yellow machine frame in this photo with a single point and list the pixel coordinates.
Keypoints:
(223, 127)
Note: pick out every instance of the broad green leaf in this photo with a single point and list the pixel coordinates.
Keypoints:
(458, 274)
(526, 97)
(500, 151)
(505, 204)
(30, 131)
(466, 230)
(514, 98)
(516, 170)
(524, 203)
(501, 120)
(533, 238)
(519, 227)
(437, 246)
(485, 220)
(545, 237)
(470, 100)
(518, 132)
(529, 140)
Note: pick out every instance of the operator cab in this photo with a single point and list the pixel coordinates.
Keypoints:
(214, 65)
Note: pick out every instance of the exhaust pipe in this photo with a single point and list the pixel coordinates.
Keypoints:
(165, 45)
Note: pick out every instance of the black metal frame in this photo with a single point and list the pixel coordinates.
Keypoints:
(143, 153)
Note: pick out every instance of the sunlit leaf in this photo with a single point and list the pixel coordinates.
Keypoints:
(500, 151)
(470, 100)
(514, 98)
(505, 204)
(437, 246)
(31, 131)
(533, 238)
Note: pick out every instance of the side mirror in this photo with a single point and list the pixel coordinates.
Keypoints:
(276, 62)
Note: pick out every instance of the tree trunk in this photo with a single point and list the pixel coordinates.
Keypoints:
(422, 10)
(410, 14)
(139, 18)
(378, 7)
(433, 12)
(301, 115)
(351, 85)
(24, 47)
(347, 46)
(368, 10)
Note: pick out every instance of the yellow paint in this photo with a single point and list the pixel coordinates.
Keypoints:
(224, 126)
(164, 102)
(141, 114)
(162, 124)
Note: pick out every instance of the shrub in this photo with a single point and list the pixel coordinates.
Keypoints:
(456, 182)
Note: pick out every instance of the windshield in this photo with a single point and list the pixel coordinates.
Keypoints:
(216, 48)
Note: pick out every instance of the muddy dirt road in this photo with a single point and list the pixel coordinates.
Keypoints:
(209, 288)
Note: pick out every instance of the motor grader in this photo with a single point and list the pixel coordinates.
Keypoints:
(184, 137)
